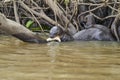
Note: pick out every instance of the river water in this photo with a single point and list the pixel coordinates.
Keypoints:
(83, 60)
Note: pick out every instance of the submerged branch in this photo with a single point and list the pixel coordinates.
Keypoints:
(19, 31)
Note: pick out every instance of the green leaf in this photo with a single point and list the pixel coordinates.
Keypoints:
(66, 1)
(29, 23)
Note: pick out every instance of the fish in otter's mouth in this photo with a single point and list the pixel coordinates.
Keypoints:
(57, 38)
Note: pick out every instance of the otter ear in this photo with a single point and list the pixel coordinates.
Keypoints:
(60, 30)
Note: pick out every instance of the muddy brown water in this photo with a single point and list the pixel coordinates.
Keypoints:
(83, 60)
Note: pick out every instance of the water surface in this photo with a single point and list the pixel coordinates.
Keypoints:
(83, 60)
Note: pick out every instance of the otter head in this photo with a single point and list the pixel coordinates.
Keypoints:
(55, 34)
(60, 35)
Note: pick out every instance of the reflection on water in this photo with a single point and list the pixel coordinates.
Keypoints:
(59, 61)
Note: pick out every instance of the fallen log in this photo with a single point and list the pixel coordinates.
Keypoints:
(17, 30)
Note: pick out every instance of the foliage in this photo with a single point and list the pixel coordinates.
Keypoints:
(66, 2)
